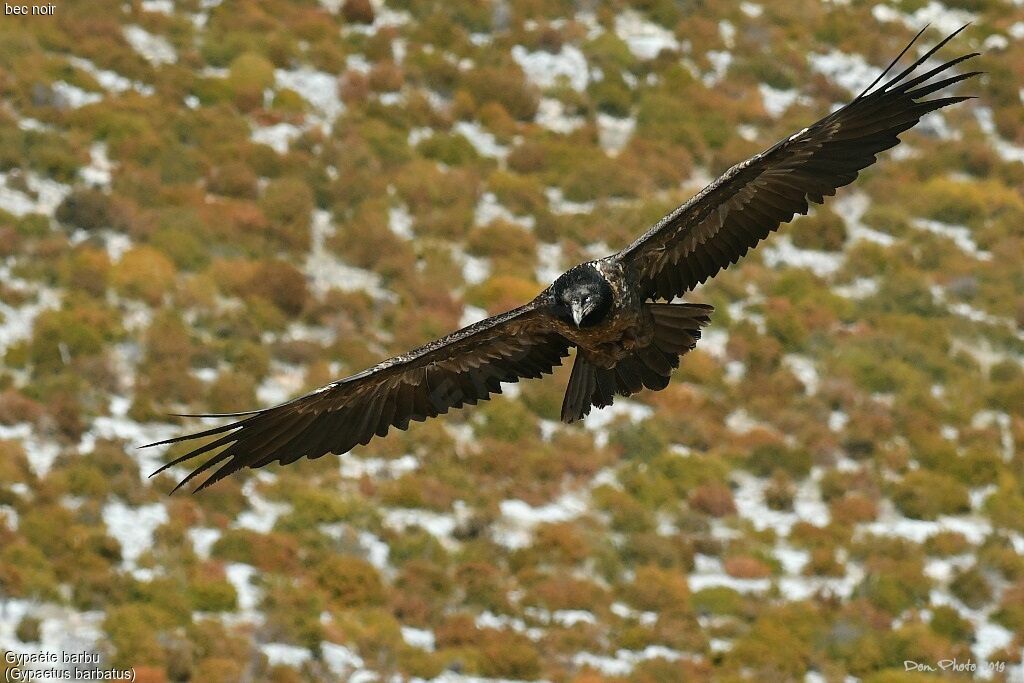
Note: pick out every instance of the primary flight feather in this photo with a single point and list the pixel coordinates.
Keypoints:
(606, 309)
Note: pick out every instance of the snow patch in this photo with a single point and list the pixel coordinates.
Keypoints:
(782, 252)
(133, 529)
(203, 539)
(644, 38)
(278, 136)
(545, 69)
(471, 314)
(353, 467)
(263, 514)
(804, 369)
(158, 6)
(318, 88)
(418, 637)
(400, 222)
(48, 194)
(551, 114)
(483, 141)
(613, 133)
(942, 18)
(549, 262)
(341, 660)
(240, 577)
(848, 71)
(327, 272)
(514, 529)
(285, 654)
(100, 169)
(111, 81)
(489, 209)
(156, 50)
(776, 101)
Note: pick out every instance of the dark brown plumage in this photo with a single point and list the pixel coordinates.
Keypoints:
(624, 341)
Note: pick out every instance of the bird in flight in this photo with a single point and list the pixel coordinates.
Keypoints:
(617, 312)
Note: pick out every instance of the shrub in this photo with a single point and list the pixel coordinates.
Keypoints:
(506, 420)
(506, 86)
(26, 572)
(660, 590)
(746, 567)
(15, 407)
(233, 179)
(923, 494)
(282, 284)
(521, 194)
(288, 203)
(600, 177)
(272, 552)
(779, 493)
(358, 11)
(144, 273)
(853, 508)
(87, 270)
(134, 631)
(249, 75)
(28, 629)
(766, 458)
(483, 584)
(293, 610)
(231, 391)
(780, 643)
(823, 562)
(509, 655)
(386, 76)
(611, 95)
(894, 586)
(501, 293)
(442, 202)
(822, 229)
(210, 591)
(641, 441)
(72, 334)
(218, 670)
(971, 587)
(948, 623)
(1011, 611)
(717, 600)
(350, 581)
(713, 499)
(1006, 508)
(450, 149)
(87, 209)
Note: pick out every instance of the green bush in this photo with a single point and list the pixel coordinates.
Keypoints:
(767, 458)
(926, 495)
(87, 209)
(822, 229)
(350, 582)
(249, 75)
(288, 203)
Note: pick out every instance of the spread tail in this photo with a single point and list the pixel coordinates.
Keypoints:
(676, 331)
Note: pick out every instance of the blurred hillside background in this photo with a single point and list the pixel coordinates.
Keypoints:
(214, 205)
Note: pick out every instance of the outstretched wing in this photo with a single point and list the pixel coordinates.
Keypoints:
(464, 367)
(752, 199)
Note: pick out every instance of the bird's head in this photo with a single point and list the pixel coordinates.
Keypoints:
(582, 295)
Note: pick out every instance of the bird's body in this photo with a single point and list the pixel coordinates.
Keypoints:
(608, 309)
(611, 331)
